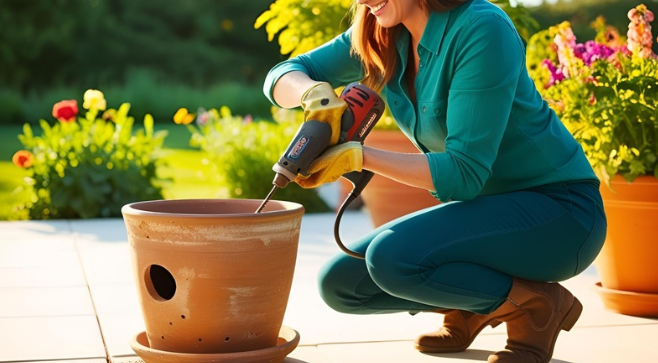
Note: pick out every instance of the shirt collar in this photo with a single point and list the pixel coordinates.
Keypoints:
(435, 30)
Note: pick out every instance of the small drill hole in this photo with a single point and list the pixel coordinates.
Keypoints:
(182, 316)
(227, 339)
(200, 339)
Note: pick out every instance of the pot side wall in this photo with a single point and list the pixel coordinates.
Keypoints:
(231, 273)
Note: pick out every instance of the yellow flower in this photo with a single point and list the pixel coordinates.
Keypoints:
(110, 114)
(94, 99)
(183, 117)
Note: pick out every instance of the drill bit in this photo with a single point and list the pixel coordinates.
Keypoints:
(267, 199)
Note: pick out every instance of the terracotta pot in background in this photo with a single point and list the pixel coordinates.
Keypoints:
(628, 261)
(384, 198)
(212, 276)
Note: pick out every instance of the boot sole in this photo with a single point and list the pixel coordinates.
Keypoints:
(460, 348)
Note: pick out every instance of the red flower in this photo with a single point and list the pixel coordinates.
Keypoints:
(66, 110)
(23, 159)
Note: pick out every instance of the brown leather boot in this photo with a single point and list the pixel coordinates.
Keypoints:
(535, 312)
(457, 333)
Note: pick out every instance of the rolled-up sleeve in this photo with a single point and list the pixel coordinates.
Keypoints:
(331, 62)
(488, 62)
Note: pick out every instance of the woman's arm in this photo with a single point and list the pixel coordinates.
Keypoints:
(289, 89)
(410, 169)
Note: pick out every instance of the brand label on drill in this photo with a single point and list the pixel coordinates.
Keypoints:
(299, 147)
(368, 124)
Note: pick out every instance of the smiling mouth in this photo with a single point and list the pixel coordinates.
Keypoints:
(378, 7)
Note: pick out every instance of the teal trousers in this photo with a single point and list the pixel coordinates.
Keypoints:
(463, 255)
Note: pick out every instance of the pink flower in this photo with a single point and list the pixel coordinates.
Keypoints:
(556, 74)
(639, 35)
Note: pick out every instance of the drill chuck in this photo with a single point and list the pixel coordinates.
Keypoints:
(280, 180)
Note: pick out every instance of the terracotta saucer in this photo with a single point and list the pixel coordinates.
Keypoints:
(288, 340)
(628, 302)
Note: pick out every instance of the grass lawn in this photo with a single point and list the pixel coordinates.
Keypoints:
(184, 166)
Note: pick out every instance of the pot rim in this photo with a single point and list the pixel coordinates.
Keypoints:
(149, 208)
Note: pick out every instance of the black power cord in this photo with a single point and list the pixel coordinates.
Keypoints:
(359, 181)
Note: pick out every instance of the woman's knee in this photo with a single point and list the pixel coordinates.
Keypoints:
(334, 285)
(386, 263)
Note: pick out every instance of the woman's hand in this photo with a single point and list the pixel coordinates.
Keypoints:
(321, 103)
(334, 163)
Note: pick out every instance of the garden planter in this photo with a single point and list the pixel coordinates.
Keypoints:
(627, 262)
(213, 278)
(386, 199)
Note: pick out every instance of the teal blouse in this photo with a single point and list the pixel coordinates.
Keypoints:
(478, 117)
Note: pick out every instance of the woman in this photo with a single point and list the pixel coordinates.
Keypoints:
(521, 206)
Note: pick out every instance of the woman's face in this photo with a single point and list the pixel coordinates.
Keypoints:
(390, 13)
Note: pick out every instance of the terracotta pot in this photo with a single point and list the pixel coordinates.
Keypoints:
(386, 199)
(213, 276)
(628, 261)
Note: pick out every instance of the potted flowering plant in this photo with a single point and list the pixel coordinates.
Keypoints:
(605, 91)
(89, 167)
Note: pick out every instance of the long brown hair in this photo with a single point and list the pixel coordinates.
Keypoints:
(375, 45)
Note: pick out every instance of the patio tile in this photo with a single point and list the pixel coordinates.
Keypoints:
(45, 266)
(106, 230)
(306, 354)
(129, 359)
(56, 276)
(50, 338)
(120, 298)
(45, 301)
(118, 331)
(609, 344)
(403, 351)
(301, 354)
(107, 264)
(42, 252)
(35, 230)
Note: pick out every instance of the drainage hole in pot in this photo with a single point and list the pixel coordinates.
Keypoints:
(160, 283)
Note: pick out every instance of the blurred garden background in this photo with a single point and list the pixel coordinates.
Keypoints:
(206, 56)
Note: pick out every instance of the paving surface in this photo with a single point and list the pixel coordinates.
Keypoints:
(67, 295)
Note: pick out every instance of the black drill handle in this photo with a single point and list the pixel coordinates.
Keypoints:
(359, 180)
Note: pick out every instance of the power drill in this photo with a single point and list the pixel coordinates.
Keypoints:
(364, 108)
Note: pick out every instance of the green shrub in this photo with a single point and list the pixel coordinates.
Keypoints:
(89, 167)
(242, 151)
